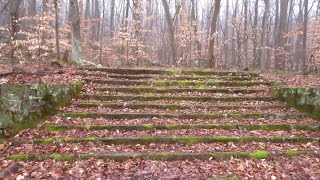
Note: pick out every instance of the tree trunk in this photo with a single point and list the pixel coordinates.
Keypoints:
(13, 8)
(57, 28)
(74, 17)
(226, 36)
(32, 10)
(137, 28)
(171, 32)
(245, 33)
(256, 60)
(305, 31)
(264, 27)
(211, 55)
(112, 18)
(101, 32)
(283, 26)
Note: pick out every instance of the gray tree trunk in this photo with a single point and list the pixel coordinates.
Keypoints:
(57, 28)
(211, 55)
(171, 32)
(112, 18)
(74, 17)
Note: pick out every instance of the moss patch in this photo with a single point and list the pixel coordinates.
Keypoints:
(258, 154)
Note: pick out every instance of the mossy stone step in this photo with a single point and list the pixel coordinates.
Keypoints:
(183, 77)
(177, 106)
(187, 140)
(179, 83)
(180, 90)
(249, 127)
(170, 72)
(162, 156)
(178, 98)
(124, 116)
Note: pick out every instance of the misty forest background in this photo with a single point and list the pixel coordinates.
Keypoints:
(279, 35)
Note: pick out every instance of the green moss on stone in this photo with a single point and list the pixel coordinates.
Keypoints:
(258, 154)
(19, 157)
(293, 153)
(148, 126)
(62, 157)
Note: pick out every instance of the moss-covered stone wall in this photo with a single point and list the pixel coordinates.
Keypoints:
(304, 99)
(23, 106)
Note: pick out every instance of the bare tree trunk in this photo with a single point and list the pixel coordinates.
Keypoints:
(211, 55)
(276, 34)
(245, 33)
(171, 32)
(305, 31)
(137, 28)
(256, 60)
(32, 10)
(101, 32)
(44, 5)
(262, 50)
(226, 36)
(74, 17)
(57, 28)
(113, 2)
(195, 27)
(280, 60)
(298, 51)
(14, 16)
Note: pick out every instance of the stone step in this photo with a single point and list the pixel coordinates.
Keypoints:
(161, 77)
(143, 127)
(163, 156)
(177, 106)
(169, 72)
(187, 140)
(180, 90)
(179, 83)
(126, 116)
(164, 121)
(177, 98)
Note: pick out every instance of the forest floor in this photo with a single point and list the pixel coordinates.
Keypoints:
(160, 124)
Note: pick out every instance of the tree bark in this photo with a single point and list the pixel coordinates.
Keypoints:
(256, 60)
(57, 28)
(13, 8)
(283, 28)
(305, 31)
(263, 44)
(113, 2)
(211, 55)
(74, 17)
(171, 32)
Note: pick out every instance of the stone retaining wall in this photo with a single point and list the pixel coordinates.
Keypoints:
(23, 106)
(304, 99)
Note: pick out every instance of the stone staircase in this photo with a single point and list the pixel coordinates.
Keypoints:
(154, 124)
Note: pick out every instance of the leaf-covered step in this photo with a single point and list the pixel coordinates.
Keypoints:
(163, 156)
(177, 106)
(177, 77)
(179, 116)
(179, 83)
(251, 127)
(180, 90)
(169, 72)
(178, 98)
(187, 140)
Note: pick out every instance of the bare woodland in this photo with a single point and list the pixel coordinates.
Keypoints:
(230, 34)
